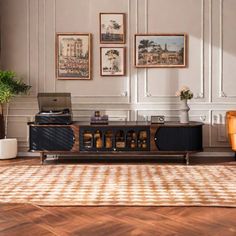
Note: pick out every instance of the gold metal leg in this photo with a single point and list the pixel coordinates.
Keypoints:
(41, 157)
(187, 158)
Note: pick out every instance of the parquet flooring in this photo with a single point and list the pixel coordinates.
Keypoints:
(28, 220)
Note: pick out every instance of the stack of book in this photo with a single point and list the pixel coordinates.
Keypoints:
(99, 120)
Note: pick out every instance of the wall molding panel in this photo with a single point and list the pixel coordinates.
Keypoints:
(28, 47)
(225, 76)
(147, 96)
(217, 130)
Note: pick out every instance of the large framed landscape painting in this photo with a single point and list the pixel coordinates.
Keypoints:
(112, 61)
(160, 50)
(112, 28)
(73, 56)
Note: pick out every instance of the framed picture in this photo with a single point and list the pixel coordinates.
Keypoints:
(112, 61)
(160, 50)
(112, 28)
(73, 56)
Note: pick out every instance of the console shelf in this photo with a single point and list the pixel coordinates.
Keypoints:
(117, 139)
(114, 138)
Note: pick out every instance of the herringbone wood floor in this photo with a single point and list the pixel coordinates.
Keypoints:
(27, 219)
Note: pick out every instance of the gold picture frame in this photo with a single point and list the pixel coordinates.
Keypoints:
(112, 28)
(112, 61)
(73, 56)
(160, 50)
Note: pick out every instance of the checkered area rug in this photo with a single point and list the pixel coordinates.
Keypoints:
(127, 185)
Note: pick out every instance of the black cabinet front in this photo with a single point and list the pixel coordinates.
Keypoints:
(179, 138)
(168, 137)
(51, 138)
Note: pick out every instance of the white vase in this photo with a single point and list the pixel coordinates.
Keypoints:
(184, 108)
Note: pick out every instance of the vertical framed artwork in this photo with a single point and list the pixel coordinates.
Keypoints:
(112, 27)
(160, 50)
(112, 61)
(73, 56)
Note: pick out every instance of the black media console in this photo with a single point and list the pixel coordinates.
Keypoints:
(116, 138)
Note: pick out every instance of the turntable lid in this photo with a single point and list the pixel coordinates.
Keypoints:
(54, 101)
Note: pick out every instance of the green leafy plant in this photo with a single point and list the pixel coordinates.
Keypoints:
(9, 87)
(184, 93)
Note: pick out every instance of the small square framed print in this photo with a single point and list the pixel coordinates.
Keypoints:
(112, 61)
(112, 28)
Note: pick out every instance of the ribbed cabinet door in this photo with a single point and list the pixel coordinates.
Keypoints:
(179, 138)
(51, 138)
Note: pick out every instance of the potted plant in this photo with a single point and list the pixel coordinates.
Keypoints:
(9, 87)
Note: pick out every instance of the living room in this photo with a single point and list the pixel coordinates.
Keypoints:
(117, 117)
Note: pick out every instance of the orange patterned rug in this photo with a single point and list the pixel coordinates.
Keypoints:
(127, 185)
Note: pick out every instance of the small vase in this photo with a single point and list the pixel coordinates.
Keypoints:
(184, 108)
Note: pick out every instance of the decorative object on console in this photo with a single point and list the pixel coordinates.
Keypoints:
(112, 27)
(160, 50)
(185, 94)
(54, 108)
(9, 87)
(112, 61)
(157, 119)
(73, 56)
(98, 119)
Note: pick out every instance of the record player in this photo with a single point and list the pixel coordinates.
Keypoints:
(54, 108)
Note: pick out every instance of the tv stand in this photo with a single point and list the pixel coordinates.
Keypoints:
(117, 139)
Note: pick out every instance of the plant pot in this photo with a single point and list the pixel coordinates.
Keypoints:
(184, 108)
(8, 148)
(2, 133)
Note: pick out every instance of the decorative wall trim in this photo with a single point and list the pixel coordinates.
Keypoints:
(221, 131)
(33, 9)
(217, 132)
(147, 93)
(126, 93)
(210, 52)
(44, 45)
(146, 18)
(210, 113)
(122, 94)
(37, 82)
(201, 94)
(128, 54)
(55, 31)
(28, 39)
(222, 93)
(136, 69)
(221, 89)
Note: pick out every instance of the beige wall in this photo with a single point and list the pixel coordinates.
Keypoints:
(28, 47)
